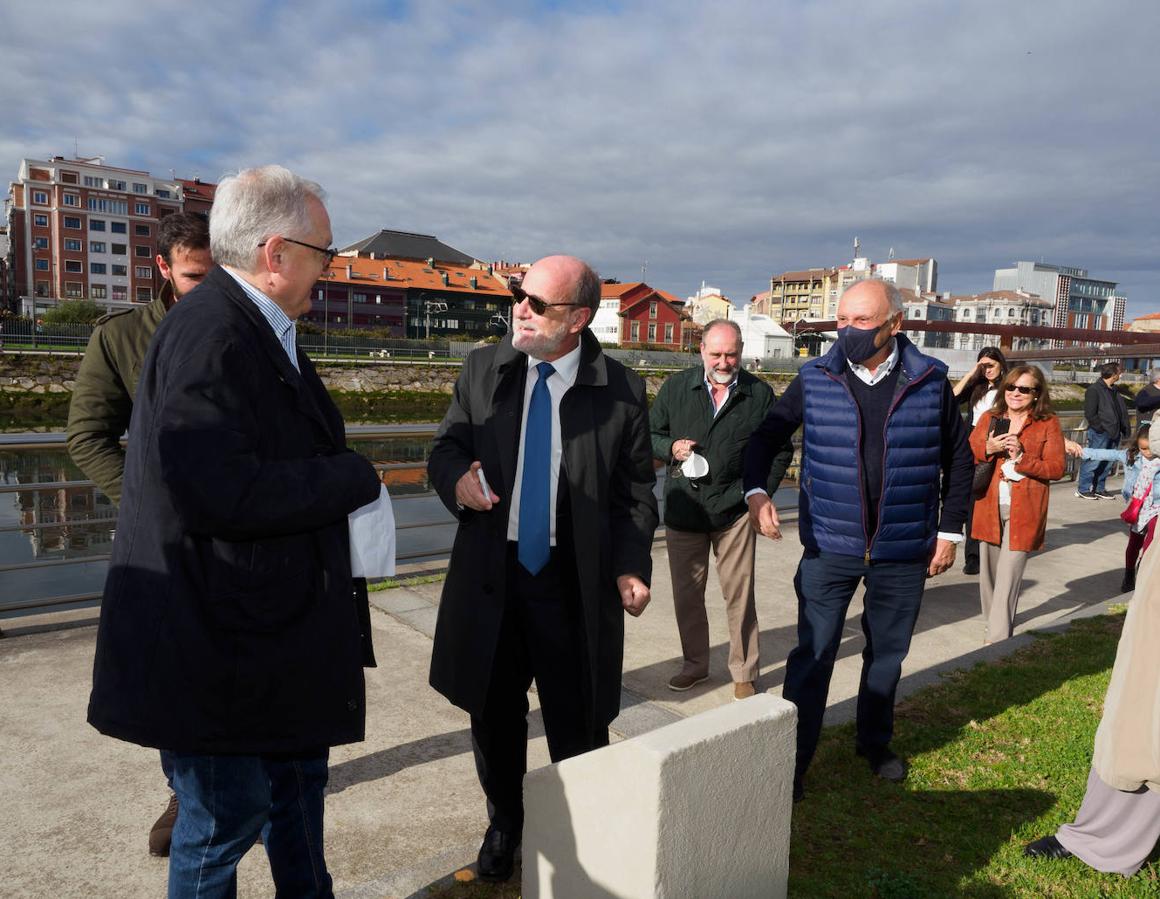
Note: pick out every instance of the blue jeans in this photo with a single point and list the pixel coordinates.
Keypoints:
(1093, 474)
(226, 802)
(825, 584)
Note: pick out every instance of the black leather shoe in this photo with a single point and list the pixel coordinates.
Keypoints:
(1046, 847)
(972, 567)
(497, 855)
(1128, 584)
(884, 763)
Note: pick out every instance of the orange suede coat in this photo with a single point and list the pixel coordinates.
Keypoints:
(1042, 461)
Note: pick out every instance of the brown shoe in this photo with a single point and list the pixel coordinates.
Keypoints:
(744, 689)
(683, 682)
(161, 833)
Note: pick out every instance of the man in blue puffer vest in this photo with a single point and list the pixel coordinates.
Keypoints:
(875, 406)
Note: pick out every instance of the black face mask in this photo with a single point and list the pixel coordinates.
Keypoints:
(857, 344)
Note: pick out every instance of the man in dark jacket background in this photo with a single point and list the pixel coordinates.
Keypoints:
(710, 411)
(1148, 399)
(231, 635)
(883, 446)
(1108, 424)
(102, 400)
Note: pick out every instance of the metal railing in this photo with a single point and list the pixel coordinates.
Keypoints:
(407, 550)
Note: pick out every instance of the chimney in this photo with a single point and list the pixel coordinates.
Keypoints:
(444, 278)
(386, 273)
(474, 283)
(349, 273)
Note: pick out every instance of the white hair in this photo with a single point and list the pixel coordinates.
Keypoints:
(256, 204)
(894, 295)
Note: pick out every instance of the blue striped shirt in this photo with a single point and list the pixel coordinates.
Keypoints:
(280, 322)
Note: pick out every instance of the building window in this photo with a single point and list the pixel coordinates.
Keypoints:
(97, 246)
(142, 271)
(115, 184)
(144, 294)
(97, 268)
(40, 243)
(120, 270)
(141, 208)
(40, 196)
(42, 288)
(98, 291)
(635, 332)
(118, 227)
(74, 289)
(120, 291)
(73, 245)
(104, 204)
(42, 265)
(139, 188)
(94, 181)
(360, 298)
(72, 200)
(142, 252)
(141, 230)
(96, 225)
(164, 194)
(652, 332)
(40, 220)
(72, 221)
(668, 333)
(73, 265)
(68, 177)
(120, 249)
(652, 309)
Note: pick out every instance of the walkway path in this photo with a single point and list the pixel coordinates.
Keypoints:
(404, 808)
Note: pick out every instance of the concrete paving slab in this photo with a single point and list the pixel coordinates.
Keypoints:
(404, 806)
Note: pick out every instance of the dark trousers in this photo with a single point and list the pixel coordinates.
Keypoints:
(970, 544)
(825, 584)
(541, 638)
(1137, 543)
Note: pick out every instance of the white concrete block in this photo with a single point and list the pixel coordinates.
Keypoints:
(700, 808)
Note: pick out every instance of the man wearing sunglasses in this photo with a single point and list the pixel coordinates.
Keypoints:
(543, 457)
(232, 636)
(883, 448)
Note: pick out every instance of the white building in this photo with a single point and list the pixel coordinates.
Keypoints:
(763, 338)
(1003, 307)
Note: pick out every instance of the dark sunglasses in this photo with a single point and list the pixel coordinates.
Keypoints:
(328, 252)
(537, 305)
(1021, 389)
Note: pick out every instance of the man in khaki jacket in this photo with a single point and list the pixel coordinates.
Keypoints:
(106, 384)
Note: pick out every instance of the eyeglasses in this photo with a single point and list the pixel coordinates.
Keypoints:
(538, 306)
(1023, 390)
(328, 252)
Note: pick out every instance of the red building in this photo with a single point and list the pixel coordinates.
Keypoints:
(654, 318)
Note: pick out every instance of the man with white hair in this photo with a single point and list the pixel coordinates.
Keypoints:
(231, 633)
(1148, 399)
(883, 447)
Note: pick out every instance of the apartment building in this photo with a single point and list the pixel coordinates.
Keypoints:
(1077, 300)
(80, 229)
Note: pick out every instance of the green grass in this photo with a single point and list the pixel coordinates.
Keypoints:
(999, 756)
(388, 583)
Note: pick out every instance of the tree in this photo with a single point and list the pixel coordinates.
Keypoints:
(83, 312)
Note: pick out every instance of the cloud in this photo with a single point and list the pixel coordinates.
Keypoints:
(718, 141)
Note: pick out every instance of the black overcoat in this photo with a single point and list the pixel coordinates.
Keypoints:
(610, 478)
(229, 622)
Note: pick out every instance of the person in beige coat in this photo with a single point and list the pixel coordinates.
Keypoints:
(1119, 820)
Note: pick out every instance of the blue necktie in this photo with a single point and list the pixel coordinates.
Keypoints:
(536, 488)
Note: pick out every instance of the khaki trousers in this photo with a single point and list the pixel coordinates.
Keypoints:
(1000, 580)
(733, 548)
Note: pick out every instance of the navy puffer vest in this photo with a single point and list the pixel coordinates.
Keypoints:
(830, 510)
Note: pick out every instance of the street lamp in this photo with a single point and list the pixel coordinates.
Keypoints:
(430, 306)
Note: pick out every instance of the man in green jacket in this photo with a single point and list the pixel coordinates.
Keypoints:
(701, 421)
(102, 397)
(106, 384)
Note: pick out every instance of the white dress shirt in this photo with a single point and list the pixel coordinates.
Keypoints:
(560, 383)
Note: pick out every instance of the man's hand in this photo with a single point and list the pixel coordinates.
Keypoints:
(469, 491)
(943, 558)
(682, 449)
(763, 516)
(634, 594)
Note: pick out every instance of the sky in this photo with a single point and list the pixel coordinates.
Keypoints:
(697, 142)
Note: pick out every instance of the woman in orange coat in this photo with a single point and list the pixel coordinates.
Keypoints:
(1010, 519)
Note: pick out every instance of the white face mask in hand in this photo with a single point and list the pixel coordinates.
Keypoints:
(695, 466)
